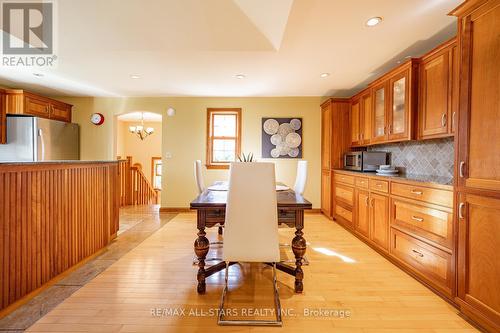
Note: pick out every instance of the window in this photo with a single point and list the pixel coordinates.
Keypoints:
(223, 137)
(156, 172)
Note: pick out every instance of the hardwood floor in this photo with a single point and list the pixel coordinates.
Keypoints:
(344, 274)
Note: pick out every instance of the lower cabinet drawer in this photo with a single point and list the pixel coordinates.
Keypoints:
(342, 178)
(430, 195)
(430, 223)
(379, 185)
(428, 261)
(345, 194)
(361, 182)
(343, 212)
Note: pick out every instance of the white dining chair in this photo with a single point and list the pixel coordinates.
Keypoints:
(251, 227)
(198, 176)
(301, 178)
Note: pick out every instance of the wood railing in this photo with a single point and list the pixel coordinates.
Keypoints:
(52, 216)
(135, 187)
(125, 181)
(143, 193)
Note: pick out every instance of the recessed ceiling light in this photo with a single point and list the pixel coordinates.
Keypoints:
(240, 76)
(408, 57)
(135, 76)
(373, 21)
(38, 74)
(324, 75)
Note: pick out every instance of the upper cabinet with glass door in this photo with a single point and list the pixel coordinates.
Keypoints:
(394, 104)
(379, 112)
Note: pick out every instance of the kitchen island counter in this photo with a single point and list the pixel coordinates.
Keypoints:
(53, 215)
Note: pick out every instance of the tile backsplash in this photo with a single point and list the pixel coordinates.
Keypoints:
(428, 157)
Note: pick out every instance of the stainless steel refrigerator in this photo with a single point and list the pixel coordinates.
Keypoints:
(37, 139)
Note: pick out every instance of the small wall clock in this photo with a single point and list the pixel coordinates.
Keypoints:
(97, 119)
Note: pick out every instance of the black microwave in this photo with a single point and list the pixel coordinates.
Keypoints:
(365, 160)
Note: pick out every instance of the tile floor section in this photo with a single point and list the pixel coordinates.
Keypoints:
(136, 224)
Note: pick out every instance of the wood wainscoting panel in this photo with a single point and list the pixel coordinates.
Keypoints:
(52, 216)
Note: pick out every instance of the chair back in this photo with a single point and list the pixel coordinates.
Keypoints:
(251, 226)
(301, 179)
(198, 176)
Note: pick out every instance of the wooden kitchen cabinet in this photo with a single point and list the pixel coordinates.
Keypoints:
(410, 222)
(379, 220)
(394, 103)
(399, 109)
(335, 141)
(479, 135)
(355, 121)
(60, 111)
(360, 119)
(372, 217)
(326, 138)
(478, 161)
(438, 92)
(3, 120)
(379, 113)
(362, 208)
(478, 263)
(366, 117)
(428, 262)
(326, 192)
(23, 102)
(35, 106)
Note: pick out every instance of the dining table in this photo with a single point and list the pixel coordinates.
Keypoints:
(210, 206)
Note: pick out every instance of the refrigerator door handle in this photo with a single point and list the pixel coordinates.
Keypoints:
(42, 144)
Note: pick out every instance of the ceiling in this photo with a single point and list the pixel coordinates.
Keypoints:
(196, 47)
(137, 116)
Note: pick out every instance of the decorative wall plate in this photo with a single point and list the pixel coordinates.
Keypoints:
(281, 137)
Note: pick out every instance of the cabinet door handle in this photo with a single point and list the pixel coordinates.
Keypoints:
(453, 119)
(390, 128)
(367, 204)
(461, 169)
(373, 202)
(461, 210)
(443, 120)
(416, 218)
(378, 185)
(416, 192)
(418, 253)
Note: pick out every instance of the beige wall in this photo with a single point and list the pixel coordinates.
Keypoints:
(142, 151)
(184, 136)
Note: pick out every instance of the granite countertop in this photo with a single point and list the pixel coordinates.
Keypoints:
(416, 178)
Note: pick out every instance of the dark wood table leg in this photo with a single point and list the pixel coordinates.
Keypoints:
(299, 249)
(201, 247)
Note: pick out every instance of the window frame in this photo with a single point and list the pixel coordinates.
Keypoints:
(210, 164)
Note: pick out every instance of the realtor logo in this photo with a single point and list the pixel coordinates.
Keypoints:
(27, 27)
(28, 33)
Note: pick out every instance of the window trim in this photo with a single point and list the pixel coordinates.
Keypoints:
(153, 171)
(209, 153)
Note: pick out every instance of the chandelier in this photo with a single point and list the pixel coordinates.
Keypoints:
(140, 131)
